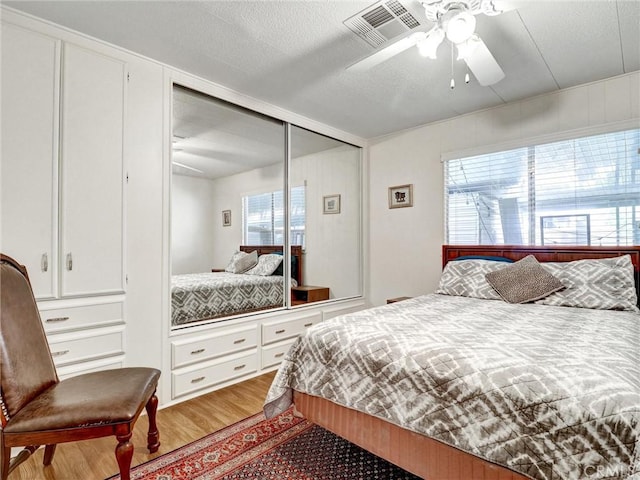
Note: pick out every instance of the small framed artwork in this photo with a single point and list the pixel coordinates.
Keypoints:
(401, 196)
(331, 204)
(226, 218)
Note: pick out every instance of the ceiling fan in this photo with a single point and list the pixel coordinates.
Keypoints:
(454, 20)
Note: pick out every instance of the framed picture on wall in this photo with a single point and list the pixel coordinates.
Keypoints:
(226, 218)
(331, 204)
(401, 196)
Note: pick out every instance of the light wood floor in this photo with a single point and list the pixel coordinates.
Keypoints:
(178, 425)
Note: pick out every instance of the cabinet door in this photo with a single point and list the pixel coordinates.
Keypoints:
(93, 96)
(29, 195)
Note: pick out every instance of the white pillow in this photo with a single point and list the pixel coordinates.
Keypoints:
(603, 284)
(466, 278)
(267, 264)
(242, 261)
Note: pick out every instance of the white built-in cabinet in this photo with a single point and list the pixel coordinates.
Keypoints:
(91, 172)
(62, 164)
(30, 114)
(62, 180)
(73, 109)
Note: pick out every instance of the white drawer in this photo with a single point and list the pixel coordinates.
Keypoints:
(86, 345)
(186, 352)
(218, 371)
(89, 316)
(95, 366)
(274, 354)
(275, 331)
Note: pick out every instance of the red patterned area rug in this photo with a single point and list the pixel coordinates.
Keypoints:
(283, 448)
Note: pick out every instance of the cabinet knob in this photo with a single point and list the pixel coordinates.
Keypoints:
(69, 261)
(44, 262)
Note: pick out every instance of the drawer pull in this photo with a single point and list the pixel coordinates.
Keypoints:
(239, 367)
(308, 324)
(56, 319)
(196, 352)
(60, 353)
(280, 331)
(240, 340)
(198, 379)
(278, 355)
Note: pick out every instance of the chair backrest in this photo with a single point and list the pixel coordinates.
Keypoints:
(26, 366)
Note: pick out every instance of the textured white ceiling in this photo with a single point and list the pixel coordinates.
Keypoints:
(293, 53)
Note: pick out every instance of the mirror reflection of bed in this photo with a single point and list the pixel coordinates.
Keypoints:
(221, 293)
(227, 195)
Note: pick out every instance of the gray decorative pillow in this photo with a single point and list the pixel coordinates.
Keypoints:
(466, 278)
(267, 264)
(524, 281)
(242, 261)
(602, 284)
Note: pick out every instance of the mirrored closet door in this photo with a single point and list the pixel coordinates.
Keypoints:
(327, 172)
(231, 205)
(227, 211)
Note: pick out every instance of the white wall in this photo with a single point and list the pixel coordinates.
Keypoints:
(405, 243)
(193, 224)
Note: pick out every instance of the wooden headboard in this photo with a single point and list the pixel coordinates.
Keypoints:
(545, 254)
(296, 251)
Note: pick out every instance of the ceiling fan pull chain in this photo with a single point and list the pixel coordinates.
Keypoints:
(453, 82)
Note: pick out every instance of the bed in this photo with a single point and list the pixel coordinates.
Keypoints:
(204, 296)
(496, 391)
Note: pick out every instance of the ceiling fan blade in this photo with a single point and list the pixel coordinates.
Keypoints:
(483, 66)
(386, 53)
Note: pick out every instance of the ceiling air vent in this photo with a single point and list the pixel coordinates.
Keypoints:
(382, 21)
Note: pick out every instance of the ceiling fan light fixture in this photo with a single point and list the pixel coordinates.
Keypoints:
(460, 26)
(429, 46)
(466, 49)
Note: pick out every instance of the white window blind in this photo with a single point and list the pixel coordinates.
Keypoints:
(584, 191)
(263, 218)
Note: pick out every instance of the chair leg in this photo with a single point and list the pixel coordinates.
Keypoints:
(153, 437)
(49, 451)
(5, 458)
(124, 454)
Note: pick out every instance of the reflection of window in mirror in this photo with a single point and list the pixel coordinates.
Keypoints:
(263, 218)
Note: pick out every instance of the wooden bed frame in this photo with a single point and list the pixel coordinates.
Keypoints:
(423, 456)
(296, 251)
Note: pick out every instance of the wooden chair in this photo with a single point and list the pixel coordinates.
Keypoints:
(39, 409)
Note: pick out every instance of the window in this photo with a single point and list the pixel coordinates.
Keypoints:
(263, 218)
(583, 191)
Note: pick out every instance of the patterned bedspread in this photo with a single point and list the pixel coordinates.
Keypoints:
(202, 296)
(550, 392)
